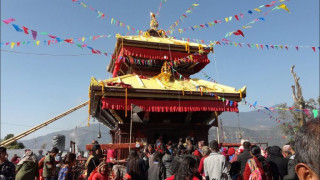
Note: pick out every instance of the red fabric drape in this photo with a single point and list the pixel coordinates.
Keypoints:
(168, 105)
(161, 54)
(156, 54)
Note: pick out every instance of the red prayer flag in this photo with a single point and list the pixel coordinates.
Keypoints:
(261, 46)
(18, 43)
(314, 49)
(238, 33)
(25, 29)
(53, 37)
(297, 48)
(69, 40)
(236, 16)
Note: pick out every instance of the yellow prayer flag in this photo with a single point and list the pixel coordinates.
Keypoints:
(83, 5)
(281, 0)
(281, 46)
(38, 43)
(12, 45)
(283, 6)
(227, 19)
(257, 45)
(195, 4)
(245, 27)
(256, 9)
(83, 39)
(235, 44)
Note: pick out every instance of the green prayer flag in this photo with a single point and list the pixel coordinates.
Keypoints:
(315, 113)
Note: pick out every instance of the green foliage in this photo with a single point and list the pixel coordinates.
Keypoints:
(14, 144)
(291, 125)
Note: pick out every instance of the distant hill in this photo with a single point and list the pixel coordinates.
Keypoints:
(256, 126)
(82, 136)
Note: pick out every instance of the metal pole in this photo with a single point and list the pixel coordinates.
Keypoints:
(130, 128)
(218, 134)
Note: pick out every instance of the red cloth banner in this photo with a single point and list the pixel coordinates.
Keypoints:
(168, 105)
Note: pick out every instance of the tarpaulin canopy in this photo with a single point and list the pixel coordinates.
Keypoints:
(156, 105)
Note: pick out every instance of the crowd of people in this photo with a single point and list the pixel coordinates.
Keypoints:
(184, 160)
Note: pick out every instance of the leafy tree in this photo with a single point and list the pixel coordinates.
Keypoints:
(292, 118)
(14, 144)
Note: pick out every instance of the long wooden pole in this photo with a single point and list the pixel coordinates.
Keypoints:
(24, 134)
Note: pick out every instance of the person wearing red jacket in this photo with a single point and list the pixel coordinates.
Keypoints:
(260, 162)
(205, 153)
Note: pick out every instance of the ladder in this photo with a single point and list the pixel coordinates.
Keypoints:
(24, 134)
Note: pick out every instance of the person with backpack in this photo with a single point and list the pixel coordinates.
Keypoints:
(66, 170)
(256, 168)
(27, 168)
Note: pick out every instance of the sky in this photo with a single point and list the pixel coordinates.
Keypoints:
(41, 81)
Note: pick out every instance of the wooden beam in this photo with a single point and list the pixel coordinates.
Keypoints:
(115, 114)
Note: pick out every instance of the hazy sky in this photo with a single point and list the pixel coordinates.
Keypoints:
(35, 87)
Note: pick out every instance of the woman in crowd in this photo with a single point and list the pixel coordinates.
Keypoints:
(27, 168)
(102, 172)
(66, 170)
(187, 170)
(258, 161)
(205, 153)
(93, 160)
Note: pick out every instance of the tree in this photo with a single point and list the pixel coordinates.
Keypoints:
(300, 111)
(14, 144)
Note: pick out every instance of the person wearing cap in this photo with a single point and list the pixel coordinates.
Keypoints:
(49, 165)
(7, 168)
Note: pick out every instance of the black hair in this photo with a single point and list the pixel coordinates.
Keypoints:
(276, 151)
(256, 151)
(3, 149)
(246, 145)
(94, 148)
(54, 150)
(292, 145)
(69, 158)
(307, 145)
(185, 170)
(133, 163)
(214, 145)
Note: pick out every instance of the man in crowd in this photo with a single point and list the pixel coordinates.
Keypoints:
(307, 149)
(215, 166)
(291, 164)
(244, 156)
(49, 165)
(7, 168)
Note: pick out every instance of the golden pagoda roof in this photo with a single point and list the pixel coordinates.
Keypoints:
(191, 85)
(161, 40)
